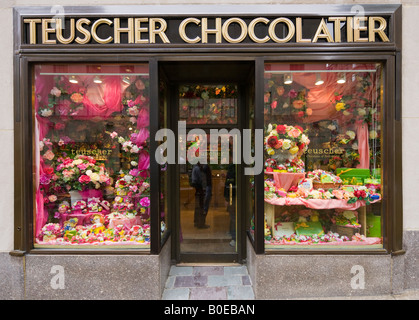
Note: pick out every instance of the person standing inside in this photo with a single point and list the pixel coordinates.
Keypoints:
(198, 181)
(208, 187)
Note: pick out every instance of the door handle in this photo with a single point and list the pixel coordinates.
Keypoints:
(231, 194)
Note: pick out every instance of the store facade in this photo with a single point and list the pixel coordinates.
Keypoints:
(269, 136)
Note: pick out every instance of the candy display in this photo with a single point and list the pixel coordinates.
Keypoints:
(93, 164)
(323, 165)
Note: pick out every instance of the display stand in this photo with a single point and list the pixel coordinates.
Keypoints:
(270, 205)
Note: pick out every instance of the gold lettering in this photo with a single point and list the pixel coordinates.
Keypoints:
(323, 32)
(32, 29)
(160, 31)
(291, 30)
(299, 31)
(59, 28)
(380, 30)
(47, 30)
(205, 30)
(336, 22)
(139, 30)
(85, 32)
(117, 30)
(95, 26)
(182, 30)
(358, 28)
(251, 29)
(349, 29)
(243, 27)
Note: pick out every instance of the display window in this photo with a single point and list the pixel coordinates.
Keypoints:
(322, 155)
(91, 155)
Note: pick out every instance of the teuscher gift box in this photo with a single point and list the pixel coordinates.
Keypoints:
(352, 176)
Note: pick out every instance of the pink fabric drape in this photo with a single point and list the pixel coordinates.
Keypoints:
(363, 145)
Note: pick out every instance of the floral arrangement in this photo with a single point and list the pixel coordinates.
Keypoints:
(81, 173)
(305, 239)
(285, 97)
(208, 92)
(79, 205)
(51, 231)
(294, 165)
(283, 142)
(358, 104)
(134, 183)
(62, 101)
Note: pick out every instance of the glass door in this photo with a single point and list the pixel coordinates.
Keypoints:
(208, 178)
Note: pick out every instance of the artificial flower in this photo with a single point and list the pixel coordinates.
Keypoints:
(76, 97)
(340, 106)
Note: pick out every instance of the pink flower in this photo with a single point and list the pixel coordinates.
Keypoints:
(113, 134)
(82, 166)
(145, 202)
(49, 155)
(294, 133)
(274, 104)
(68, 173)
(84, 179)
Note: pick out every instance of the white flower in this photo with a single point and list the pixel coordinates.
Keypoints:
(285, 105)
(94, 177)
(134, 164)
(355, 146)
(286, 144)
(46, 112)
(135, 149)
(351, 134)
(89, 172)
(121, 140)
(56, 92)
(362, 112)
(77, 162)
(373, 134)
(304, 139)
(270, 128)
(331, 127)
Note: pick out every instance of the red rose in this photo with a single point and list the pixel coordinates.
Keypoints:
(301, 146)
(84, 179)
(269, 169)
(299, 128)
(281, 129)
(49, 171)
(300, 114)
(272, 141)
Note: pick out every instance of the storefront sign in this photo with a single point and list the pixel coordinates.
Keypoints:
(193, 30)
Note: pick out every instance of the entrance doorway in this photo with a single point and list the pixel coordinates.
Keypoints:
(212, 99)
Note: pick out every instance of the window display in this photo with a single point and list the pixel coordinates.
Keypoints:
(322, 145)
(91, 146)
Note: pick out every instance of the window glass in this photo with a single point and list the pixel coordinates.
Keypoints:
(322, 146)
(91, 163)
(208, 104)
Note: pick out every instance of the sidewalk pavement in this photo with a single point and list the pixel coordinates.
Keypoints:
(233, 283)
